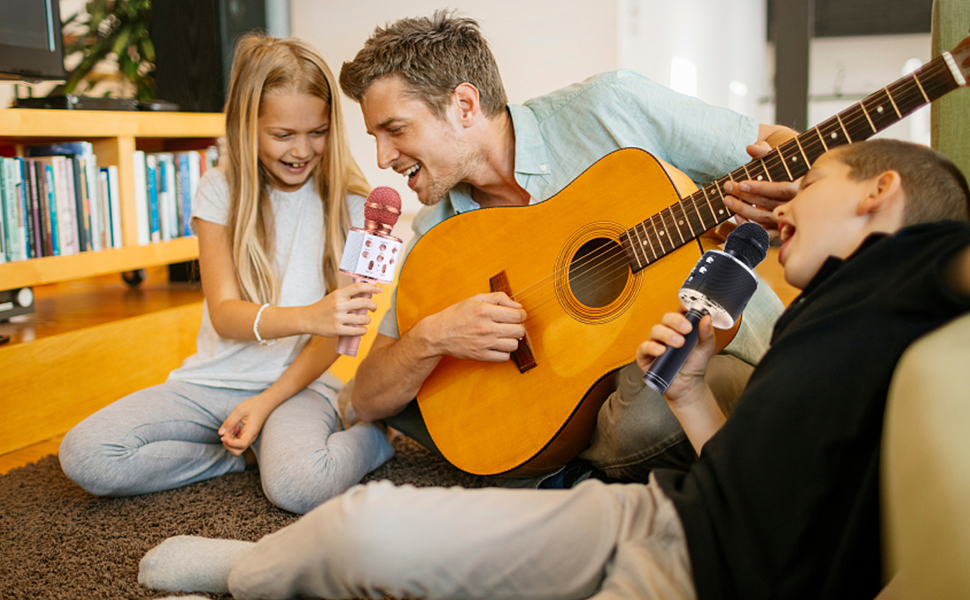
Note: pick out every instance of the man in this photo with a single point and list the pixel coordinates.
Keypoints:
(432, 97)
(783, 501)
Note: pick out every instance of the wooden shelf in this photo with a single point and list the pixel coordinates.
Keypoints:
(115, 136)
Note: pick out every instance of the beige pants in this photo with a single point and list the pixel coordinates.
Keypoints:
(594, 541)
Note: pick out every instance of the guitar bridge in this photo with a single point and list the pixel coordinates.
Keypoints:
(524, 359)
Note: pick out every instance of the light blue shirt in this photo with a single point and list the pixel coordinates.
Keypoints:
(558, 136)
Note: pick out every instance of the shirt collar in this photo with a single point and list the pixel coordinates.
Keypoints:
(530, 149)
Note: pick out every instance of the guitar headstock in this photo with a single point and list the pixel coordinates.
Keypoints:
(961, 56)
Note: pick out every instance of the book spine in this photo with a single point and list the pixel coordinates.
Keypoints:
(151, 169)
(114, 204)
(52, 225)
(66, 208)
(141, 198)
(83, 223)
(185, 199)
(4, 225)
(40, 209)
(14, 216)
(27, 188)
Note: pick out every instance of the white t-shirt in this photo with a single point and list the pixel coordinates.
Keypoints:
(299, 239)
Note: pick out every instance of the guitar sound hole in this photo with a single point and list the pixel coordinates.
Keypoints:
(598, 272)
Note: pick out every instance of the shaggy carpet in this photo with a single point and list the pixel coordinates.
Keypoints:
(58, 541)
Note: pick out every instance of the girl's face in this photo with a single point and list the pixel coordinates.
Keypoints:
(293, 132)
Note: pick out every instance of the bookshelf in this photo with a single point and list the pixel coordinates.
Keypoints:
(115, 136)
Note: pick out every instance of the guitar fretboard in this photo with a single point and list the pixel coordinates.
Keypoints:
(703, 210)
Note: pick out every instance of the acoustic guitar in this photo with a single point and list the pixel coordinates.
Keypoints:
(595, 267)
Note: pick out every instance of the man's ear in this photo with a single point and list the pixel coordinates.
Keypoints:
(884, 192)
(466, 100)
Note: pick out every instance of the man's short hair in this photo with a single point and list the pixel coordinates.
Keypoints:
(433, 56)
(935, 188)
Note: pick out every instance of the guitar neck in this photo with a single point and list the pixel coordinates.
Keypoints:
(704, 210)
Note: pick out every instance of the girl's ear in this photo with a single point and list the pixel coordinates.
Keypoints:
(884, 192)
(466, 99)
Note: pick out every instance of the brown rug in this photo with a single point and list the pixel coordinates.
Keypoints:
(58, 541)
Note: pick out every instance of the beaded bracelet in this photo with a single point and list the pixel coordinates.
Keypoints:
(259, 339)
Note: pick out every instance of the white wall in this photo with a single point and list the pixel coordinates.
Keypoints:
(722, 44)
(540, 45)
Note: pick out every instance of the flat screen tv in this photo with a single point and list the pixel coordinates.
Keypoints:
(31, 48)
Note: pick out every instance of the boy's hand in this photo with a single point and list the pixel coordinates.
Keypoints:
(670, 332)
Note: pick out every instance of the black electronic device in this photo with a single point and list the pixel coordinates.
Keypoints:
(720, 284)
(16, 302)
(31, 48)
(70, 101)
(194, 43)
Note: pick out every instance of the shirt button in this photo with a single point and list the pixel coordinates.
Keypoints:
(542, 168)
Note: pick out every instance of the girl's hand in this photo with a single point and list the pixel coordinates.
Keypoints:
(334, 315)
(242, 426)
(689, 382)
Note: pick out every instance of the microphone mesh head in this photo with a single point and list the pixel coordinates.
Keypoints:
(748, 243)
(383, 196)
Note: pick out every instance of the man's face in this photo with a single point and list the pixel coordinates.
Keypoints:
(822, 220)
(430, 152)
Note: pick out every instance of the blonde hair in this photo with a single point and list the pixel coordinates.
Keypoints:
(263, 65)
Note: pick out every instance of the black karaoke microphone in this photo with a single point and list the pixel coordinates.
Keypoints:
(720, 285)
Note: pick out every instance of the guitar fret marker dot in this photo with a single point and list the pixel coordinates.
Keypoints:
(879, 109)
(759, 177)
(720, 212)
(661, 233)
(834, 135)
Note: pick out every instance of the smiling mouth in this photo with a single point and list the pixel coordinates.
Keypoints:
(785, 232)
(410, 173)
(293, 165)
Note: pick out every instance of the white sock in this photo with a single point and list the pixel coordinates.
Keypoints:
(191, 564)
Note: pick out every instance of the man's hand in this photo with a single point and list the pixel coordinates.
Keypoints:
(755, 200)
(485, 327)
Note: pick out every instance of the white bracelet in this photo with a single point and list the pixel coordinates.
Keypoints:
(261, 341)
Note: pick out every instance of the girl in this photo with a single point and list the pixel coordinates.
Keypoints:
(271, 226)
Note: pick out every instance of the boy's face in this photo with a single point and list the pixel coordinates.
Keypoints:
(822, 220)
(430, 152)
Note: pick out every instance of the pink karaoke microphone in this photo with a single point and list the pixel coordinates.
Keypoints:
(371, 254)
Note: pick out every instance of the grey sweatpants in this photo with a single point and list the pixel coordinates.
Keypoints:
(596, 540)
(166, 436)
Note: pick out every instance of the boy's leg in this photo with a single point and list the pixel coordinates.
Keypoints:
(158, 438)
(379, 540)
(305, 456)
(635, 430)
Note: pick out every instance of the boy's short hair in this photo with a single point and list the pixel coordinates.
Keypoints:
(433, 56)
(935, 188)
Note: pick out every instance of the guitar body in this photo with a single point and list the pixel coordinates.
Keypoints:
(587, 313)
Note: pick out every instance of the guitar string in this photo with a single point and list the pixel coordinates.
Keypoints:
(615, 249)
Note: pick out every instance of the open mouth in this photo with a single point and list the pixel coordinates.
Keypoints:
(411, 172)
(785, 232)
(294, 165)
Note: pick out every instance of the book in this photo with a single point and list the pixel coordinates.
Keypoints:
(50, 213)
(186, 189)
(151, 171)
(114, 205)
(81, 205)
(41, 216)
(10, 197)
(141, 198)
(26, 176)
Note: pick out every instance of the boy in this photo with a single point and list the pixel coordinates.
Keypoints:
(783, 499)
